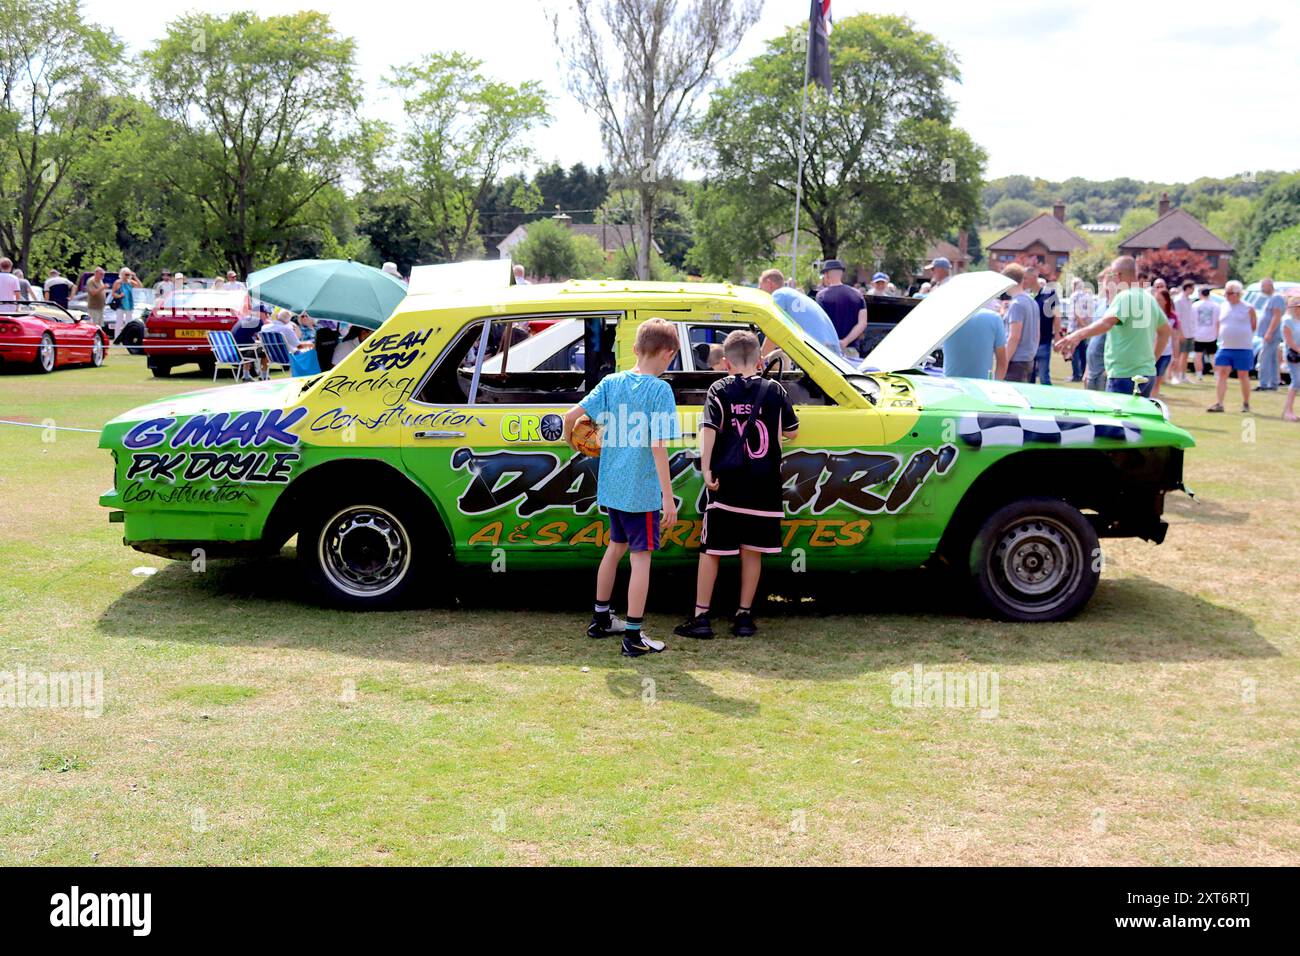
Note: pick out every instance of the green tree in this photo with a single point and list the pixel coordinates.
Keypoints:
(639, 67)
(885, 169)
(1231, 219)
(1135, 220)
(1278, 209)
(259, 118)
(1008, 213)
(1279, 256)
(56, 71)
(551, 251)
(462, 129)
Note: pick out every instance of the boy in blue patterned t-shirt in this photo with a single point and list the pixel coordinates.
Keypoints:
(638, 417)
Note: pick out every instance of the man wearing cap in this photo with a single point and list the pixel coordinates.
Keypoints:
(880, 284)
(940, 270)
(843, 303)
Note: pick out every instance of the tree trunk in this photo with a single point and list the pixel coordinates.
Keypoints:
(645, 230)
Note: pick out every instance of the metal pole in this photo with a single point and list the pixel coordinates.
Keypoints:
(798, 185)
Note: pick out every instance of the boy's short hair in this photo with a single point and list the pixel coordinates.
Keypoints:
(741, 347)
(655, 336)
(1015, 272)
(715, 355)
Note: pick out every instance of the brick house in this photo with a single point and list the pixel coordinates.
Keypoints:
(1176, 229)
(1045, 238)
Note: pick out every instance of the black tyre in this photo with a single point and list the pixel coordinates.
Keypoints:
(97, 350)
(46, 355)
(1036, 559)
(161, 371)
(133, 338)
(368, 554)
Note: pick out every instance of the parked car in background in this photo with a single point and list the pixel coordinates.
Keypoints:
(44, 335)
(176, 331)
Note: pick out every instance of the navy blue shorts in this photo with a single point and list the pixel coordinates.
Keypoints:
(1239, 360)
(639, 530)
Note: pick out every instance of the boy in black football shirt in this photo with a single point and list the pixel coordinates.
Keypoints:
(746, 417)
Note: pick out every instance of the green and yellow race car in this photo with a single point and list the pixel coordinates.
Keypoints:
(439, 440)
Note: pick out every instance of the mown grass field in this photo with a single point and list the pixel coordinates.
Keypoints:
(244, 725)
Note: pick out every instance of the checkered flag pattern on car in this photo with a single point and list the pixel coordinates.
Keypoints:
(992, 428)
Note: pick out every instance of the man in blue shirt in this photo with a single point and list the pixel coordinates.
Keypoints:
(1270, 331)
(977, 348)
(800, 309)
(843, 303)
(1022, 323)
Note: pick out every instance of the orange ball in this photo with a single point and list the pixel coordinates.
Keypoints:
(586, 437)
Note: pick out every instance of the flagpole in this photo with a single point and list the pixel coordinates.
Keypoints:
(798, 185)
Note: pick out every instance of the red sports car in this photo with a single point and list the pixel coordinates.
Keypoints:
(46, 335)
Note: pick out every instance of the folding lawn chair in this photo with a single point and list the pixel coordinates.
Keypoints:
(277, 352)
(227, 353)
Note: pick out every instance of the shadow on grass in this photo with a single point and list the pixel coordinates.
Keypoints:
(823, 627)
(1204, 511)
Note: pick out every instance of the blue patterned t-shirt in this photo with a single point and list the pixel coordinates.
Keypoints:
(633, 411)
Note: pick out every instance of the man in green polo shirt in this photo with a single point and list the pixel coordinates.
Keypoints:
(1136, 332)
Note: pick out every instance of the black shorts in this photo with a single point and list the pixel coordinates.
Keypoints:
(1209, 348)
(729, 531)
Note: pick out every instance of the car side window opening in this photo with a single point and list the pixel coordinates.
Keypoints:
(530, 360)
(690, 385)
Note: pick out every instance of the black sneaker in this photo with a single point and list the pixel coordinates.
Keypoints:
(743, 625)
(597, 630)
(698, 627)
(636, 643)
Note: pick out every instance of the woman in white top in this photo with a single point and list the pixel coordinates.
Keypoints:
(1291, 339)
(1237, 322)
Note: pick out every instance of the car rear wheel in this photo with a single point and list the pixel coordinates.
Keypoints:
(364, 555)
(46, 355)
(97, 352)
(161, 371)
(1036, 559)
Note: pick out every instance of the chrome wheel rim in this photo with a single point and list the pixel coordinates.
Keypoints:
(97, 351)
(47, 354)
(365, 551)
(1036, 563)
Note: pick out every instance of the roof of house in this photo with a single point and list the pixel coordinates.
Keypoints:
(1055, 235)
(1176, 224)
(945, 249)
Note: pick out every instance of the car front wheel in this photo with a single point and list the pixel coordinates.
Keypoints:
(1036, 559)
(362, 555)
(97, 352)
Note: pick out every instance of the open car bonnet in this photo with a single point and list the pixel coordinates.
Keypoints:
(940, 313)
(479, 275)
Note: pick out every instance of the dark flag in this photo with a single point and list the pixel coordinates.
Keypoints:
(819, 43)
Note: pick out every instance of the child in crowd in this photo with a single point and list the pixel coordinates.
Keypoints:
(746, 417)
(638, 416)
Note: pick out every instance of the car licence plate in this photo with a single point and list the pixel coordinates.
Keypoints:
(191, 333)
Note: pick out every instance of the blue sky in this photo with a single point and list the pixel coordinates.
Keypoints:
(1160, 91)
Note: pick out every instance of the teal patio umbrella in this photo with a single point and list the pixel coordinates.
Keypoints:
(337, 289)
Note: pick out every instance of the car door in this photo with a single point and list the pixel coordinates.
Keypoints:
(484, 435)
